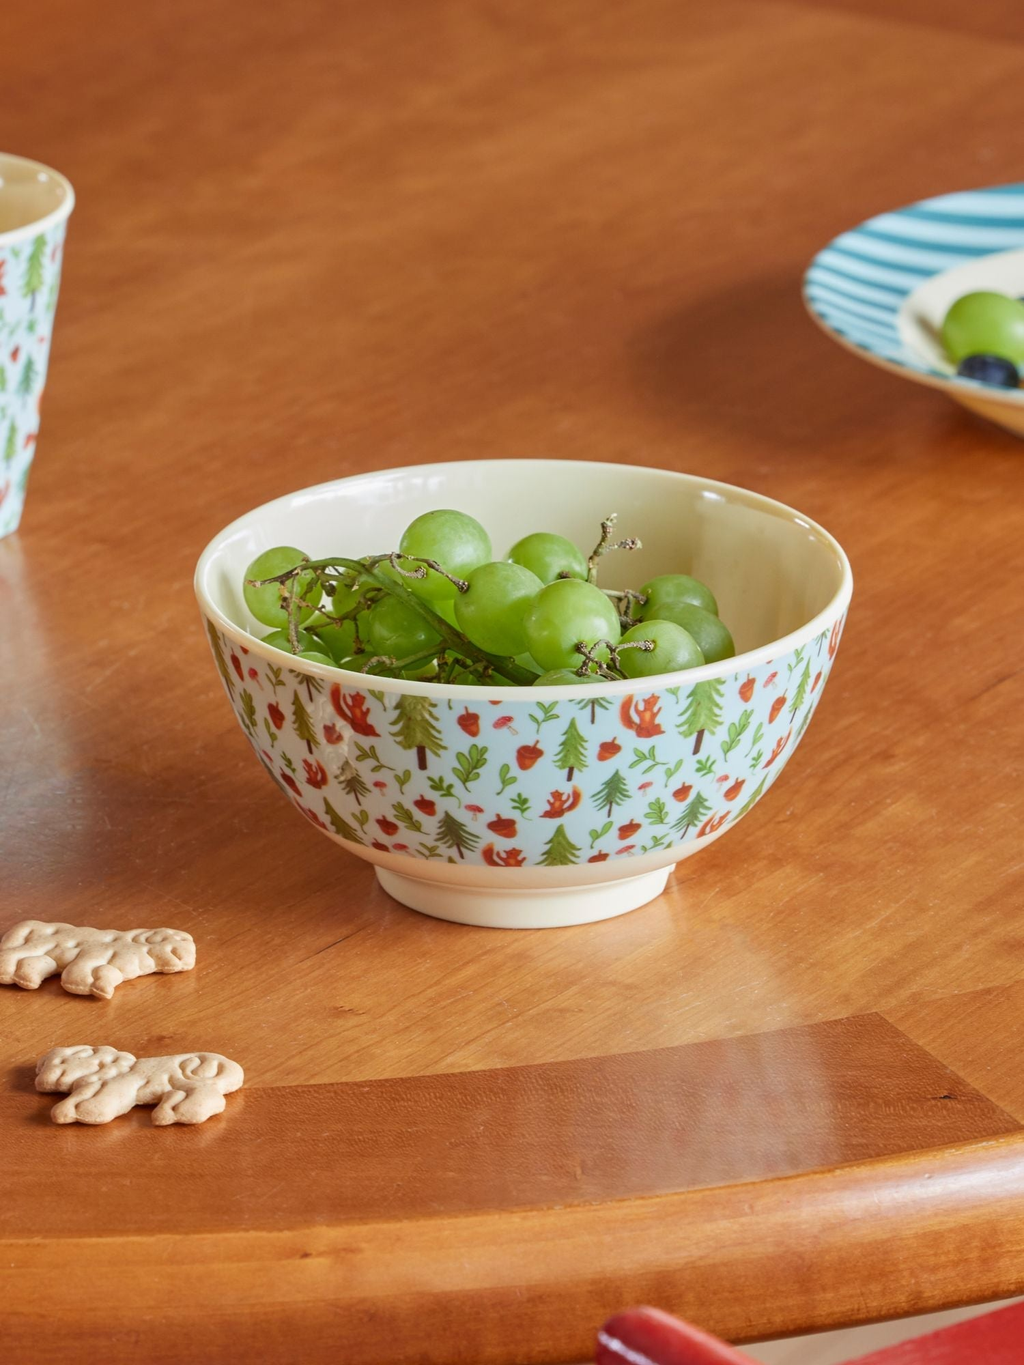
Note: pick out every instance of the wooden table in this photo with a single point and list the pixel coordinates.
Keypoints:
(319, 238)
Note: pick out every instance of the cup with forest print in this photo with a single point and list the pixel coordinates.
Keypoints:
(35, 203)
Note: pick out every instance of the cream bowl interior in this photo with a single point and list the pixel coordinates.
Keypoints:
(773, 571)
(32, 195)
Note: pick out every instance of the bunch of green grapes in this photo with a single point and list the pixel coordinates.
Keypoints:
(441, 609)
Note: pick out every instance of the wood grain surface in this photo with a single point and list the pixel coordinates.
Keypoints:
(317, 239)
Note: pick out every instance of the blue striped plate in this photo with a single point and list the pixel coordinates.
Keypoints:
(882, 288)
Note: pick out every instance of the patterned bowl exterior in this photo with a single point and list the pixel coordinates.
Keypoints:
(857, 284)
(513, 782)
(29, 281)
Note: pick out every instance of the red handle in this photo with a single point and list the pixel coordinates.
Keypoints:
(647, 1336)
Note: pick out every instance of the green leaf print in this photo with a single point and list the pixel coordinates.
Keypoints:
(801, 690)
(444, 790)
(546, 710)
(737, 729)
(11, 445)
(468, 767)
(402, 779)
(521, 805)
(706, 766)
(507, 779)
(596, 835)
(372, 757)
(405, 817)
(657, 812)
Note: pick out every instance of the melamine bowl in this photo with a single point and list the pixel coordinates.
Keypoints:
(883, 288)
(530, 807)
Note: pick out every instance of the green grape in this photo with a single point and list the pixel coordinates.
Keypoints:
(527, 661)
(985, 322)
(445, 608)
(314, 656)
(548, 556)
(493, 610)
(565, 677)
(347, 591)
(265, 602)
(454, 540)
(335, 639)
(565, 612)
(711, 634)
(279, 639)
(400, 631)
(673, 650)
(670, 589)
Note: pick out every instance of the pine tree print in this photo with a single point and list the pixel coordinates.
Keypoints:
(454, 834)
(218, 654)
(28, 378)
(34, 272)
(612, 793)
(572, 752)
(594, 705)
(352, 783)
(703, 711)
(341, 825)
(693, 813)
(302, 723)
(11, 445)
(415, 727)
(801, 690)
(560, 850)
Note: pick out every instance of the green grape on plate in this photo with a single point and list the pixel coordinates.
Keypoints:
(985, 322)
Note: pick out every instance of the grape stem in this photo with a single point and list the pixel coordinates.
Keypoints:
(591, 662)
(368, 571)
(632, 599)
(604, 545)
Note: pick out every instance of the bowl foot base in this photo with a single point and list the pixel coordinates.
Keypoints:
(502, 908)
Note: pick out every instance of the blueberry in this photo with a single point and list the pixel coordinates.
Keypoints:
(989, 369)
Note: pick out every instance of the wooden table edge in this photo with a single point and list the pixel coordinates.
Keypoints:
(844, 1245)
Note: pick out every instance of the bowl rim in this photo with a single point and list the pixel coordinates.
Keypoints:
(750, 659)
(908, 364)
